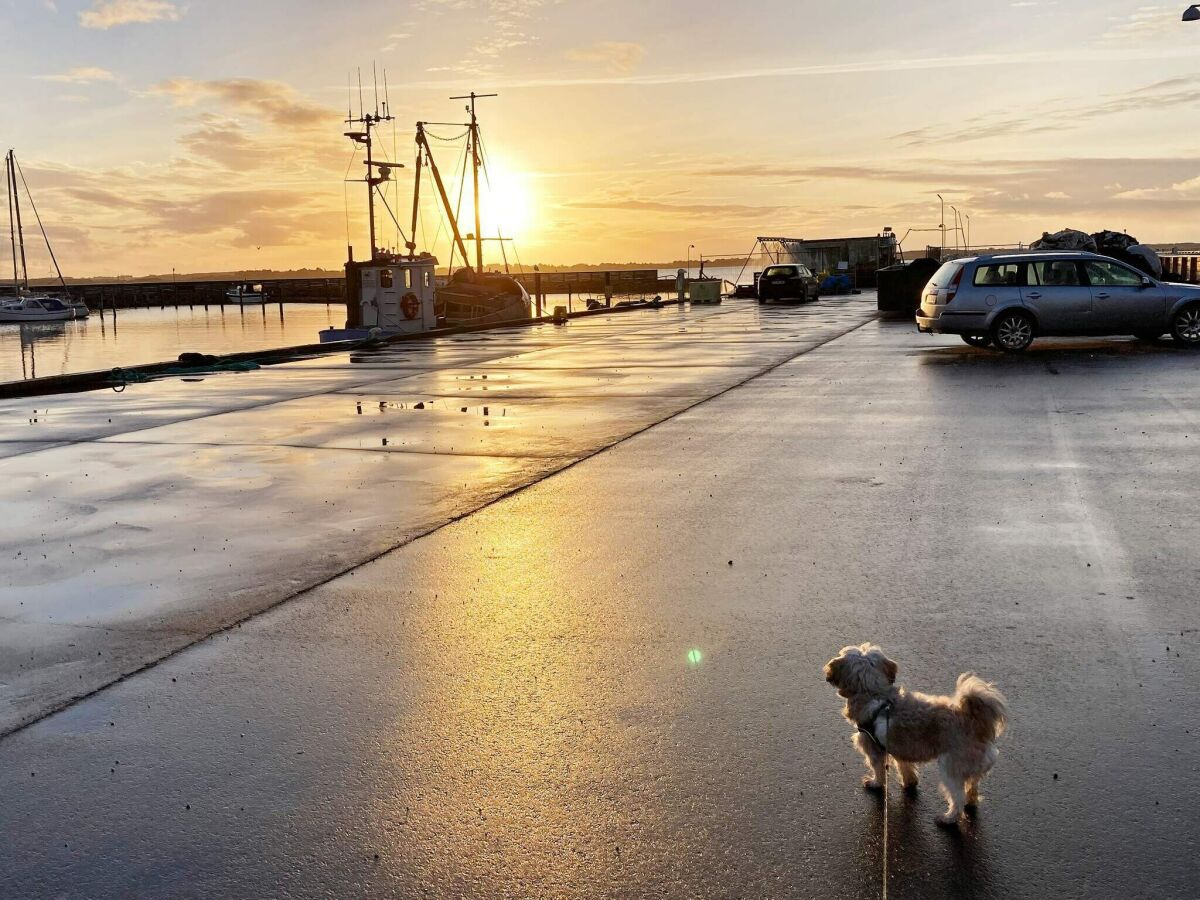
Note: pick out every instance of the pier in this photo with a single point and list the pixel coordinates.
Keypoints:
(543, 610)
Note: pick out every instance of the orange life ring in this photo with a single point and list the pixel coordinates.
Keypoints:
(410, 305)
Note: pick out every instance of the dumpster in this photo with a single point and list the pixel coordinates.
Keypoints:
(900, 285)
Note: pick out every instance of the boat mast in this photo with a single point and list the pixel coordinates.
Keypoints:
(423, 144)
(10, 190)
(475, 161)
(16, 198)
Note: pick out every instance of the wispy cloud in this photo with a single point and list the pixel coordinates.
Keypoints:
(272, 101)
(80, 75)
(859, 66)
(1144, 24)
(1050, 117)
(680, 209)
(105, 14)
(616, 56)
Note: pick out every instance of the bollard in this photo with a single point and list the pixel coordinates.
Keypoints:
(560, 315)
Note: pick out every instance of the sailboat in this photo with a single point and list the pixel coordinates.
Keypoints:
(26, 305)
(397, 293)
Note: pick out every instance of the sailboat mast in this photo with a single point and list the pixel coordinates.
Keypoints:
(12, 165)
(10, 190)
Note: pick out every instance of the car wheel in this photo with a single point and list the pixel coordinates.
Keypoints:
(1012, 332)
(977, 340)
(1185, 326)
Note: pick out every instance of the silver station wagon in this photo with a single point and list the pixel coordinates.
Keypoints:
(1006, 300)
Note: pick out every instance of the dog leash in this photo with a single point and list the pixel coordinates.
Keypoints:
(886, 712)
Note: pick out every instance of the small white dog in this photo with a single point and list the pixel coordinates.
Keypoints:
(959, 731)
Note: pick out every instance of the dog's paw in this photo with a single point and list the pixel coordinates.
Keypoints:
(871, 783)
(948, 820)
(910, 787)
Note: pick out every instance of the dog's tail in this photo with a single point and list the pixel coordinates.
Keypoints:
(983, 705)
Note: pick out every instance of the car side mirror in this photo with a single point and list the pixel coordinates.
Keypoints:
(1147, 282)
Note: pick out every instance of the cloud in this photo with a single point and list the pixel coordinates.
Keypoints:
(271, 101)
(1146, 23)
(682, 209)
(105, 14)
(1050, 118)
(80, 75)
(394, 40)
(619, 57)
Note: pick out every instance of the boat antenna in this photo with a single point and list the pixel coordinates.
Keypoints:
(473, 141)
(375, 76)
(373, 179)
(41, 227)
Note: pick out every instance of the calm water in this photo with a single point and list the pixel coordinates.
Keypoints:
(137, 336)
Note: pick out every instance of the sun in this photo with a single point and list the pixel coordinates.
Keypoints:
(508, 200)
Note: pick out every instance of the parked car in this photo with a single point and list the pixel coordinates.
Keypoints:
(791, 282)
(1006, 300)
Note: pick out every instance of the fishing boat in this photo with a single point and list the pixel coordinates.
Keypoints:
(246, 294)
(398, 293)
(26, 305)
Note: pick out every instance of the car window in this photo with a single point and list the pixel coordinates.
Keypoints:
(780, 272)
(999, 274)
(945, 274)
(804, 272)
(1056, 272)
(1106, 274)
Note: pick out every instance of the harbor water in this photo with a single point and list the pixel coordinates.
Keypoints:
(135, 336)
(159, 334)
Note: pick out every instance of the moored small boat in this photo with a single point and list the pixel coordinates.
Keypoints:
(246, 294)
(37, 308)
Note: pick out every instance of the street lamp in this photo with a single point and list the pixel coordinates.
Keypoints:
(942, 227)
(957, 227)
(691, 247)
(1192, 13)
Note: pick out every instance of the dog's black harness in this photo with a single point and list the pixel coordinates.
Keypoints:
(868, 727)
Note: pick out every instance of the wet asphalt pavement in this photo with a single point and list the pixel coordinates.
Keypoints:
(608, 683)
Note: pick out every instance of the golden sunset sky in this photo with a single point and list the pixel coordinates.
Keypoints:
(207, 135)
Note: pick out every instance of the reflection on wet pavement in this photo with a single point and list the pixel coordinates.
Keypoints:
(141, 520)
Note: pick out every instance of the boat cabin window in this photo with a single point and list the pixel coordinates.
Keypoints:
(408, 278)
(385, 278)
(428, 278)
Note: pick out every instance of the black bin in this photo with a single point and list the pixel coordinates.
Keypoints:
(900, 285)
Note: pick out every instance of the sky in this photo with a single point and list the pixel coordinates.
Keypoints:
(206, 135)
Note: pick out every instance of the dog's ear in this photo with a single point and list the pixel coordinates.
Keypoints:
(831, 670)
(880, 660)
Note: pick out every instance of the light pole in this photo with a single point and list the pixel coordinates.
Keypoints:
(691, 247)
(942, 227)
(968, 232)
(957, 227)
